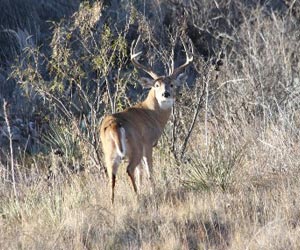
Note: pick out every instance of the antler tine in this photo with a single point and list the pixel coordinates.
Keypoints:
(189, 59)
(133, 57)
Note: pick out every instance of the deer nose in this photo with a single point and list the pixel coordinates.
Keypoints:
(166, 94)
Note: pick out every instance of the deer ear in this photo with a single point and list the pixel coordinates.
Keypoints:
(146, 82)
(181, 78)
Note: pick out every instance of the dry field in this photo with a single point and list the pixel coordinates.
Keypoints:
(226, 170)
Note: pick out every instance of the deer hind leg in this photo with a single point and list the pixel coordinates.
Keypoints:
(113, 161)
(138, 176)
(148, 163)
(133, 173)
(148, 166)
(139, 173)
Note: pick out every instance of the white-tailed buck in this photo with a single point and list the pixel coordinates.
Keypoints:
(133, 132)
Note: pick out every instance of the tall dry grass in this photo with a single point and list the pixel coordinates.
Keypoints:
(258, 212)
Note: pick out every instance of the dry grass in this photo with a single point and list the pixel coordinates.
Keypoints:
(258, 210)
(248, 219)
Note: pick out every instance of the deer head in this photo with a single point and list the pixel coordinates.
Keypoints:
(164, 86)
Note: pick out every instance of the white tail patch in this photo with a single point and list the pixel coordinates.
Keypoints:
(122, 140)
(122, 130)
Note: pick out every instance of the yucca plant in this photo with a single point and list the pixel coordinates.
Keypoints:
(62, 141)
(214, 168)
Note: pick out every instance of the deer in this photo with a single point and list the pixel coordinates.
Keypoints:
(132, 133)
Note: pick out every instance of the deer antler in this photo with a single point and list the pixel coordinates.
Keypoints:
(189, 59)
(133, 57)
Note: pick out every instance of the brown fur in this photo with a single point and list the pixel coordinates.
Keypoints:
(143, 124)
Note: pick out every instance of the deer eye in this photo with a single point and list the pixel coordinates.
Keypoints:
(156, 85)
(171, 85)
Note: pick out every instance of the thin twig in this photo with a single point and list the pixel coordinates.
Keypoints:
(174, 138)
(198, 106)
(206, 108)
(10, 147)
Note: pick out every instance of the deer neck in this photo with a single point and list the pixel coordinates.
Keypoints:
(151, 103)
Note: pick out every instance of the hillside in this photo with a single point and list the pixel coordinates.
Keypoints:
(226, 169)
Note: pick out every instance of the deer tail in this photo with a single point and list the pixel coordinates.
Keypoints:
(117, 134)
